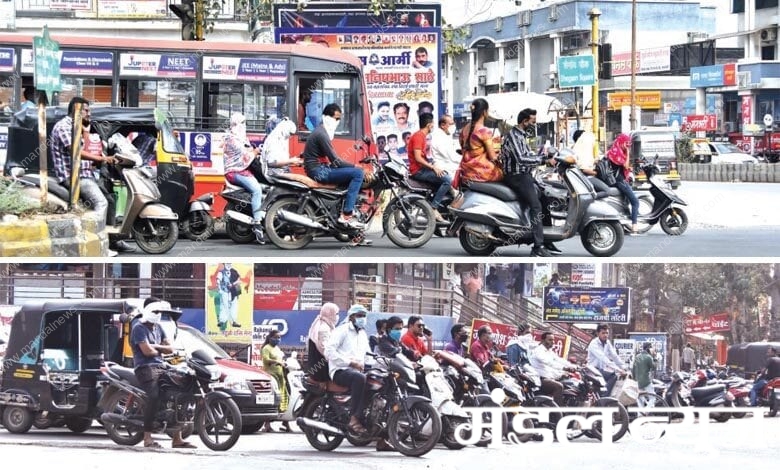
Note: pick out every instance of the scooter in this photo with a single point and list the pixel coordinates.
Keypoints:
(666, 211)
(239, 222)
(436, 387)
(491, 216)
(681, 394)
(295, 390)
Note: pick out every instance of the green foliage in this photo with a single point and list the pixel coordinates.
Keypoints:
(12, 201)
(453, 39)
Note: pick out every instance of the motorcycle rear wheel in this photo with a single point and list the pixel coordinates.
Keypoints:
(124, 435)
(197, 226)
(449, 425)
(475, 245)
(237, 231)
(315, 411)
(283, 234)
(227, 422)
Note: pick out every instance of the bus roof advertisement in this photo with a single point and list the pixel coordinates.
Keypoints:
(6, 59)
(87, 63)
(245, 69)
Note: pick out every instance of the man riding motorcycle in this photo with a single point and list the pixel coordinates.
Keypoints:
(148, 343)
(771, 371)
(551, 367)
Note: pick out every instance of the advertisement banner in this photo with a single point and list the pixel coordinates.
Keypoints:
(228, 313)
(626, 349)
(94, 63)
(747, 110)
(132, 8)
(245, 69)
(643, 99)
(158, 65)
(7, 56)
(83, 5)
(587, 305)
(657, 59)
(583, 275)
(401, 72)
(287, 293)
(700, 122)
(259, 334)
(659, 341)
(711, 324)
(351, 15)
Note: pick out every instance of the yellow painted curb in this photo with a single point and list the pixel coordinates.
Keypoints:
(92, 245)
(39, 248)
(24, 231)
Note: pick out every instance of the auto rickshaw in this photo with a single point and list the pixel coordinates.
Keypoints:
(51, 372)
(174, 176)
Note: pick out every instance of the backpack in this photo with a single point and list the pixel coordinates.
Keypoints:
(605, 173)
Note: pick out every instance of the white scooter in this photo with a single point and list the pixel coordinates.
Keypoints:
(438, 389)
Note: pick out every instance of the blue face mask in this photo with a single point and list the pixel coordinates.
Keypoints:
(360, 323)
(274, 341)
(395, 335)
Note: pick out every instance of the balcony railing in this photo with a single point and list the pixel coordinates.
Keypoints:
(91, 9)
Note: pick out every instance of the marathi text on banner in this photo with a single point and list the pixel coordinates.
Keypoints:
(229, 309)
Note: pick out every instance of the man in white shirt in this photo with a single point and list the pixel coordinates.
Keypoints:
(443, 147)
(551, 367)
(688, 358)
(346, 350)
(602, 356)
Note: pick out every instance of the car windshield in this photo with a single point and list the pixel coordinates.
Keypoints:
(192, 340)
(727, 148)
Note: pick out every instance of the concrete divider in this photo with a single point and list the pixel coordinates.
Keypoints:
(746, 173)
(53, 235)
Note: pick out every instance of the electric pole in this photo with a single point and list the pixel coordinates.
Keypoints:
(632, 115)
(594, 14)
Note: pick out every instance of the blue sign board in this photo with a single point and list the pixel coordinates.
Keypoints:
(659, 341)
(587, 304)
(707, 76)
(675, 117)
(7, 59)
(87, 63)
(200, 147)
(459, 110)
(574, 71)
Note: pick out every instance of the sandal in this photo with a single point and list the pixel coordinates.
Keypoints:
(184, 445)
(357, 429)
(153, 445)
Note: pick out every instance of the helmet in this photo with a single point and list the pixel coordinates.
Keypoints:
(357, 309)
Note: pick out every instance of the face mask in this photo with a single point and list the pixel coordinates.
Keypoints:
(395, 335)
(360, 323)
(274, 341)
(451, 129)
(330, 123)
(463, 338)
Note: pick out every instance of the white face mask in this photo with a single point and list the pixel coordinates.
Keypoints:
(330, 123)
(451, 129)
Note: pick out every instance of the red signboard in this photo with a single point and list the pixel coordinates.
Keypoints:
(711, 324)
(700, 122)
(276, 293)
(502, 333)
(747, 110)
(729, 74)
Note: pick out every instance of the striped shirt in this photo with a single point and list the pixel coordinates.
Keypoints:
(517, 156)
(61, 139)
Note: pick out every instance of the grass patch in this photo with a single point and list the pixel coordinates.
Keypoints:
(13, 201)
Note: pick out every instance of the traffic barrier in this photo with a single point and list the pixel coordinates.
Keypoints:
(53, 235)
(744, 173)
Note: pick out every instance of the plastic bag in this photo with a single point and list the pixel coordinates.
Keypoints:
(629, 392)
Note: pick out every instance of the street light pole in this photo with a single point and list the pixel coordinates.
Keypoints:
(594, 14)
(632, 115)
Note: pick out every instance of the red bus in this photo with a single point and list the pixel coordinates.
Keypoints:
(201, 84)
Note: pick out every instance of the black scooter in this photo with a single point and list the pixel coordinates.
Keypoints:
(681, 394)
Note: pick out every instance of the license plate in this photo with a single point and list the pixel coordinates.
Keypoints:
(264, 399)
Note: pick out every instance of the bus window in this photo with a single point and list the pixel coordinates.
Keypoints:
(323, 92)
(178, 98)
(258, 102)
(97, 91)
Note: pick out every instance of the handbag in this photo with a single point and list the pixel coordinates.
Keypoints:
(604, 172)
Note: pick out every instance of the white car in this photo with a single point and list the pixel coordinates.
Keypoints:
(724, 152)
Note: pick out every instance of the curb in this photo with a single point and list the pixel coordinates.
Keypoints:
(44, 237)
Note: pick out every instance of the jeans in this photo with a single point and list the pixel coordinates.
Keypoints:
(253, 186)
(92, 196)
(611, 379)
(757, 387)
(444, 181)
(625, 188)
(525, 187)
(351, 175)
(357, 384)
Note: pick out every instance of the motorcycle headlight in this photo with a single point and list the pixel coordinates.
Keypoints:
(215, 373)
(236, 384)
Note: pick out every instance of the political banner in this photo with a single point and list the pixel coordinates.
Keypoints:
(503, 333)
(352, 15)
(659, 341)
(228, 313)
(587, 304)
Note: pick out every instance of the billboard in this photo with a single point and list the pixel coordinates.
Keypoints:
(659, 341)
(587, 304)
(228, 312)
(711, 324)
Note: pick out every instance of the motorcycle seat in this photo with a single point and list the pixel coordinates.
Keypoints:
(701, 392)
(611, 192)
(126, 374)
(414, 184)
(556, 184)
(54, 186)
(496, 190)
(303, 179)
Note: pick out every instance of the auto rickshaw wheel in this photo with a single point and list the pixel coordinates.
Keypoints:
(78, 424)
(198, 226)
(17, 419)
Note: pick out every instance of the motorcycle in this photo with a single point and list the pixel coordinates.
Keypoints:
(436, 387)
(295, 389)
(411, 422)
(238, 210)
(681, 394)
(189, 395)
(428, 190)
(770, 396)
(492, 216)
(300, 209)
(584, 388)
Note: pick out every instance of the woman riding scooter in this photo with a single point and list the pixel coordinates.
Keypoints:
(239, 155)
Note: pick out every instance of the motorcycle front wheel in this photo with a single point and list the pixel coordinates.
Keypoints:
(602, 238)
(218, 423)
(415, 432)
(155, 236)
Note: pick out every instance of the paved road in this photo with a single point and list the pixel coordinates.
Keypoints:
(735, 444)
(726, 220)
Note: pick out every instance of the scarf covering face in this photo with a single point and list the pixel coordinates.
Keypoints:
(618, 153)
(328, 316)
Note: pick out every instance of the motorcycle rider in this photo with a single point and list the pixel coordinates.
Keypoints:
(459, 336)
(519, 348)
(602, 356)
(480, 350)
(551, 367)
(148, 343)
(319, 333)
(276, 147)
(346, 351)
(519, 164)
(390, 342)
(422, 170)
(415, 331)
(239, 155)
(771, 371)
(324, 166)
